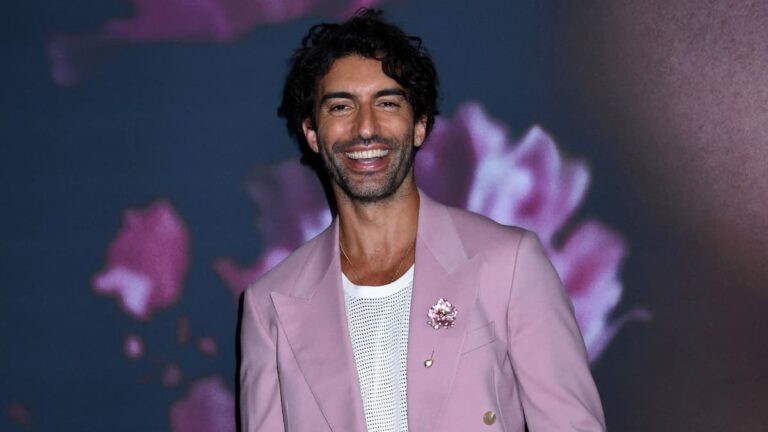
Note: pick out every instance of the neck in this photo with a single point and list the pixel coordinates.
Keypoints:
(378, 237)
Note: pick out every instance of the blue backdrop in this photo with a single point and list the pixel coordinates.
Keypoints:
(146, 179)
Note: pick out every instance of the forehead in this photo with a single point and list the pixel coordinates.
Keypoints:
(357, 75)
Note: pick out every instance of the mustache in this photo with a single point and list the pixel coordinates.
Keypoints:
(342, 146)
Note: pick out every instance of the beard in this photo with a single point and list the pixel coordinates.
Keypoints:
(370, 187)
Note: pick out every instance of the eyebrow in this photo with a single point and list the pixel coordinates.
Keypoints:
(390, 92)
(347, 95)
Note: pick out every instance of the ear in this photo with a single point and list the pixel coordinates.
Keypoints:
(310, 134)
(420, 131)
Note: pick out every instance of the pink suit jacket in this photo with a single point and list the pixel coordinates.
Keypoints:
(515, 348)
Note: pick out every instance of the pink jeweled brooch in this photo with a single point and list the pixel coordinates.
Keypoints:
(442, 314)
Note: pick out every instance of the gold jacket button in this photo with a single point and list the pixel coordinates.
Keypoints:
(489, 418)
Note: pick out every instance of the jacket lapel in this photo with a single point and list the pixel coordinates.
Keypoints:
(314, 319)
(315, 322)
(443, 270)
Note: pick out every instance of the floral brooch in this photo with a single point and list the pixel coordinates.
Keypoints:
(442, 314)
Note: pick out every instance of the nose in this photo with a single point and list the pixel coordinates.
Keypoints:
(365, 122)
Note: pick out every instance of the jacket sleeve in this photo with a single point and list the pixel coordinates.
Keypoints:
(260, 401)
(547, 350)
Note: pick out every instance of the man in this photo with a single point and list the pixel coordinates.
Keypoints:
(403, 315)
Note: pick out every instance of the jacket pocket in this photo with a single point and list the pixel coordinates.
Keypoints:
(479, 337)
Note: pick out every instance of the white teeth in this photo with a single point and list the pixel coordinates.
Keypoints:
(367, 154)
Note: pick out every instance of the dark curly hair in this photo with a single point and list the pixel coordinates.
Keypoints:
(368, 35)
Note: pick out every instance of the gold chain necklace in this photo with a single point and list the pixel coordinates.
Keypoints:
(397, 271)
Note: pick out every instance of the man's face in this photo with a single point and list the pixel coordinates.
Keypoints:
(364, 129)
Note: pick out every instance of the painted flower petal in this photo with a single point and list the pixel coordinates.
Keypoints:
(19, 414)
(206, 20)
(147, 261)
(293, 209)
(526, 183)
(291, 201)
(238, 278)
(133, 347)
(172, 375)
(72, 56)
(588, 265)
(208, 406)
(208, 346)
(558, 188)
(529, 183)
(446, 147)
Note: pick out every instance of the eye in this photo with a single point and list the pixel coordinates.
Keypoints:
(338, 108)
(389, 104)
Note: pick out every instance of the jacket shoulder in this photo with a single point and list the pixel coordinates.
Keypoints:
(479, 233)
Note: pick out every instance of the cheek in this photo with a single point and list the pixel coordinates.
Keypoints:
(331, 130)
(398, 126)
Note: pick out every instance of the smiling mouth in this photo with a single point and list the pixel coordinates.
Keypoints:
(367, 154)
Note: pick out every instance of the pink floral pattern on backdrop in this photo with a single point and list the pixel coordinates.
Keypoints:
(146, 261)
(529, 183)
(293, 210)
(72, 56)
(19, 414)
(133, 347)
(208, 406)
(526, 183)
